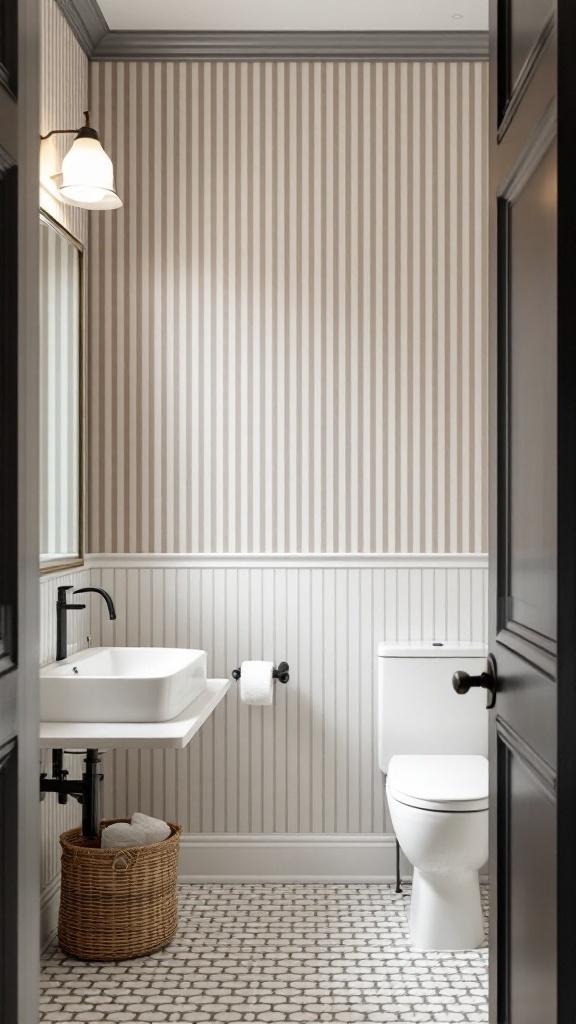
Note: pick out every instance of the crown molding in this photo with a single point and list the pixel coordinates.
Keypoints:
(100, 43)
(262, 46)
(86, 21)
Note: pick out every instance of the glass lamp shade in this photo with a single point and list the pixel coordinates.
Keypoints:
(87, 178)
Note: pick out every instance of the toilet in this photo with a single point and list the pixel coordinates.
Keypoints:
(433, 745)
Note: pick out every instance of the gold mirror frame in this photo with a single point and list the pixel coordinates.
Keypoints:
(74, 561)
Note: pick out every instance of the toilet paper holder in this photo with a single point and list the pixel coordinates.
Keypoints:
(281, 673)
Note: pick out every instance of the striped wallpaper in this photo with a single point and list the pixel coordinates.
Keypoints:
(309, 763)
(288, 316)
(63, 97)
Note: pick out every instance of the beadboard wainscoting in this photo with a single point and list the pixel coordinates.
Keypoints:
(288, 792)
(308, 765)
(57, 818)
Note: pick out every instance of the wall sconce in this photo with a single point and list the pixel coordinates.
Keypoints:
(87, 175)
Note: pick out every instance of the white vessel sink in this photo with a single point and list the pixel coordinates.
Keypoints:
(122, 684)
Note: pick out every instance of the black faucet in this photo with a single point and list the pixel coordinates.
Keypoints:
(62, 608)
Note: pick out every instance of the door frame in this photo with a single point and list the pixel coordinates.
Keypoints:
(28, 891)
(566, 784)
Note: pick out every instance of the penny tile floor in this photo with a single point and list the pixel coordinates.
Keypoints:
(276, 953)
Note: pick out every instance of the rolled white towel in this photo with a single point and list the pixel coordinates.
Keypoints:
(154, 829)
(122, 835)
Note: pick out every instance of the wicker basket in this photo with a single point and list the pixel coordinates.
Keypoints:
(117, 904)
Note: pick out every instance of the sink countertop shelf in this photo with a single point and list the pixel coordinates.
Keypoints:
(174, 734)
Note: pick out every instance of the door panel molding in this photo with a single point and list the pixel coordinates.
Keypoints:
(534, 646)
(500, 882)
(547, 643)
(518, 176)
(533, 152)
(536, 650)
(8, 415)
(567, 504)
(8, 878)
(526, 791)
(9, 46)
(544, 773)
(510, 93)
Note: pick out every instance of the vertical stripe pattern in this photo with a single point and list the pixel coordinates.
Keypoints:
(288, 316)
(63, 98)
(309, 764)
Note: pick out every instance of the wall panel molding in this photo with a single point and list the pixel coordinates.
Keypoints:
(292, 791)
(236, 560)
(308, 764)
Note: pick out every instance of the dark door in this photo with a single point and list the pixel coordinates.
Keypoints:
(533, 511)
(18, 511)
(8, 574)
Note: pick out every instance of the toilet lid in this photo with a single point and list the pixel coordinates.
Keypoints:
(439, 782)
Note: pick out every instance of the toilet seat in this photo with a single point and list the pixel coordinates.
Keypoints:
(439, 782)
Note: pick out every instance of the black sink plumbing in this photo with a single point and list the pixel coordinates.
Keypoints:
(85, 790)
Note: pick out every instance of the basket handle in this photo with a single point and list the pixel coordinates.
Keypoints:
(124, 860)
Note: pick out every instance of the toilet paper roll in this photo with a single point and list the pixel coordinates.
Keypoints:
(121, 835)
(256, 682)
(154, 828)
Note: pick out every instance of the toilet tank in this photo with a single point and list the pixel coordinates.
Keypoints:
(419, 712)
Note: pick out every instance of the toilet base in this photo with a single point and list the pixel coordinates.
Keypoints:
(446, 910)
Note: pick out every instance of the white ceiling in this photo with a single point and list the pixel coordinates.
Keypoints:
(297, 15)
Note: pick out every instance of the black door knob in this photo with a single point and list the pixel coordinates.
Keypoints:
(462, 681)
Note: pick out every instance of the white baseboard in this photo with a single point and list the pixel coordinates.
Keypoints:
(49, 905)
(288, 858)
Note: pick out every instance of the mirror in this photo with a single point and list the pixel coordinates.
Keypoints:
(61, 397)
